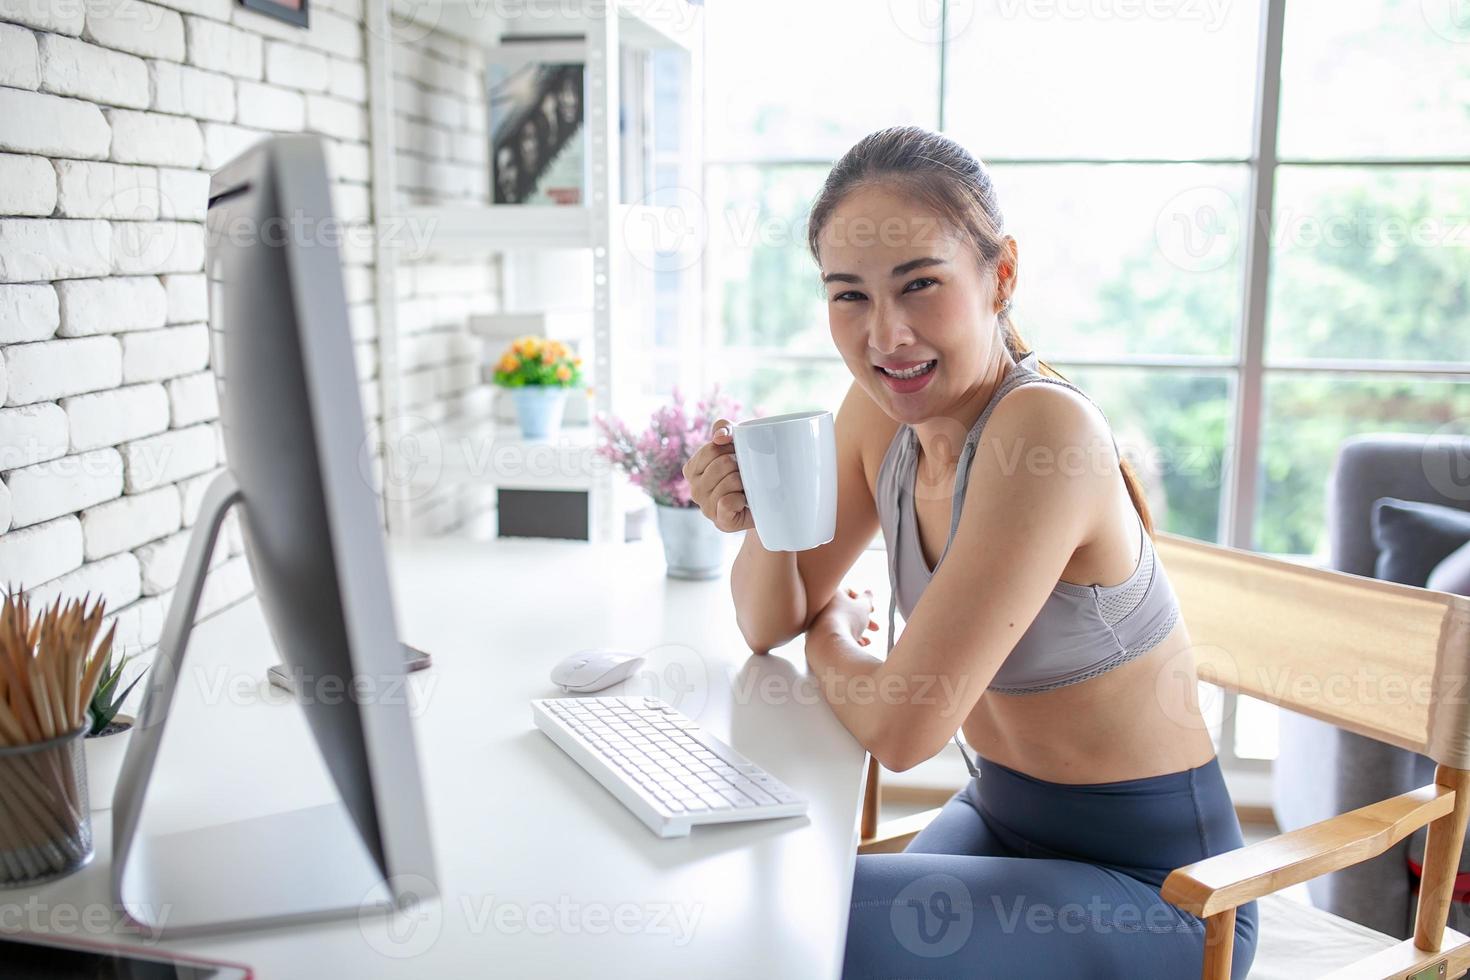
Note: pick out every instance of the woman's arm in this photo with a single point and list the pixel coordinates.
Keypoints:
(777, 593)
(1034, 497)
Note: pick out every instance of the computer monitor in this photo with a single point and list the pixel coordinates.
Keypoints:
(292, 420)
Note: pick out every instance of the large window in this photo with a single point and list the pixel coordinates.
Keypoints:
(1131, 146)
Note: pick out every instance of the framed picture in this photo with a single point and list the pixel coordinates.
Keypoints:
(534, 100)
(291, 11)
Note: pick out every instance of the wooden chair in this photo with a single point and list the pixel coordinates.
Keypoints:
(1387, 661)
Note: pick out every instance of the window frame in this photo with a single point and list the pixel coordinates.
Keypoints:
(1248, 368)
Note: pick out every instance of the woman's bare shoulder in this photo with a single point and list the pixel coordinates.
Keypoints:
(863, 427)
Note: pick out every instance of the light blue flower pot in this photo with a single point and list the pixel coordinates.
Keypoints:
(693, 547)
(539, 409)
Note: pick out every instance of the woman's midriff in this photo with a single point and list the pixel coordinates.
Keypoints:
(1139, 719)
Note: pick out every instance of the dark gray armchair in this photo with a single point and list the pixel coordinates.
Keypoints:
(1322, 770)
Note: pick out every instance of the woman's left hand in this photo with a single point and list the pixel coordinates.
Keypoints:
(851, 613)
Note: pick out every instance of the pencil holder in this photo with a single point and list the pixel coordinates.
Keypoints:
(45, 821)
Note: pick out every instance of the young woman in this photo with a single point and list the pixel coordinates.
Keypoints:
(1038, 618)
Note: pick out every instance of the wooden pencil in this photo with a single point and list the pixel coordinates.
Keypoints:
(50, 665)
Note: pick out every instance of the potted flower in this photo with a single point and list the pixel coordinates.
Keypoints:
(538, 373)
(107, 735)
(654, 462)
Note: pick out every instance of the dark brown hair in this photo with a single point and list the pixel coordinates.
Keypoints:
(943, 176)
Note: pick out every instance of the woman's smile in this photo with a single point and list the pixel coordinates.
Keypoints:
(907, 377)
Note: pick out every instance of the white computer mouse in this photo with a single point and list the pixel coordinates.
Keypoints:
(593, 670)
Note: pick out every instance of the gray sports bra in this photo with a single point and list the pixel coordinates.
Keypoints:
(1081, 631)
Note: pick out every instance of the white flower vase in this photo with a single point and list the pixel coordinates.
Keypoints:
(105, 755)
(693, 547)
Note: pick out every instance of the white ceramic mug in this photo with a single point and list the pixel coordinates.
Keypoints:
(788, 464)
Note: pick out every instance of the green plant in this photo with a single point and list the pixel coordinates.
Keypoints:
(106, 701)
(534, 362)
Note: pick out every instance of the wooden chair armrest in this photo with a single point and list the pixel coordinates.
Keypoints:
(894, 835)
(1229, 880)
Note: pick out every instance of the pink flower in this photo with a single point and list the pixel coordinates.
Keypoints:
(654, 458)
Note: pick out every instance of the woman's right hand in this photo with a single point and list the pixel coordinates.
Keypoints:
(714, 480)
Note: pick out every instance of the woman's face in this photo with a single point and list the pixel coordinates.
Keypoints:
(911, 309)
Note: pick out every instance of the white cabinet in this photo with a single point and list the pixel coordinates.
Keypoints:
(636, 264)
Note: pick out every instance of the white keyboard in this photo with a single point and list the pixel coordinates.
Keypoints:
(661, 765)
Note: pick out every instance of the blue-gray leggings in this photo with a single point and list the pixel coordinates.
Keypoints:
(1019, 877)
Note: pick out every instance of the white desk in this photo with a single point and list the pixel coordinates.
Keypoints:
(531, 850)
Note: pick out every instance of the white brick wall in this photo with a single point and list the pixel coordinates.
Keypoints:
(32, 434)
(187, 298)
(40, 123)
(93, 306)
(105, 190)
(54, 369)
(151, 137)
(129, 522)
(36, 249)
(86, 71)
(222, 48)
(20, 64)
(182, 194)
(28, 312)
(270, 107)
(106, 418)
(116, 581)
(27, 185)
(296, 67)
(161, 354)
(140, 247)
(41, 552)
(192, 399)
(63, 486)
(111, 115)
(61, 17)
(187, 91)
(136, 27)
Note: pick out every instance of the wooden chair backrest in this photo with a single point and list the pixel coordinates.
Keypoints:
(1387, 661)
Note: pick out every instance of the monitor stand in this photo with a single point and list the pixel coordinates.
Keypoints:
(291, 867)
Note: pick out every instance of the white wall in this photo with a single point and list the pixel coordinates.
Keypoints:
(112, 114)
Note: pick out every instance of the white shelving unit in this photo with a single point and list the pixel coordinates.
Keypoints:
(622, 238)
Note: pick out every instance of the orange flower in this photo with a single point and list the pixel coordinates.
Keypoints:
(563, 374)
(548, 356)
(508, 363)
